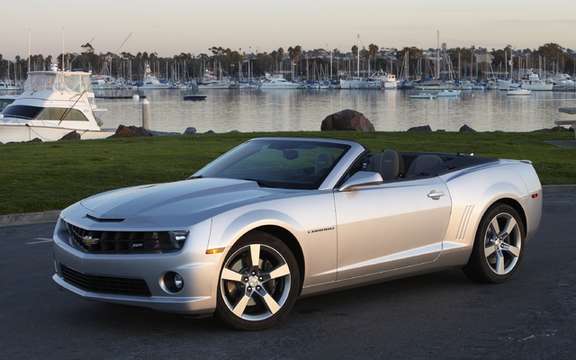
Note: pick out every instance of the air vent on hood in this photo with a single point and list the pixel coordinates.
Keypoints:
(92, 217)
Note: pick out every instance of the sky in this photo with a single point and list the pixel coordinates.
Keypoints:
(173, 26)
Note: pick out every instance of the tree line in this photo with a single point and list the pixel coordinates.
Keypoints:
(296, 62)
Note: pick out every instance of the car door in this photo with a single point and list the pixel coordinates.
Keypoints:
(390, 225)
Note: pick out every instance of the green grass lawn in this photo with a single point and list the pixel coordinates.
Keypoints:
(45, 176)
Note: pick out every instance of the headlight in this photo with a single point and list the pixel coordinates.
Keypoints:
(178, 238)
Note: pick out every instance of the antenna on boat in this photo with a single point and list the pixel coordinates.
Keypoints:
(29, 48)
(63, 67)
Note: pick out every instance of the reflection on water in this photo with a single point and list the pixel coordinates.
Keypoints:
(292, 110)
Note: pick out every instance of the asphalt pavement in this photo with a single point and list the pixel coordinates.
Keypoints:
(435, 316)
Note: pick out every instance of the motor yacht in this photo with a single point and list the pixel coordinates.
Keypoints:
(534, 83)
(6, 86)
(53, 104)
(360, 83)
(151, 82)
(519, 92)
(390, 82)
(271, 82)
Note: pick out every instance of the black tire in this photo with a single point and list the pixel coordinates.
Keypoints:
(478, 268)
(227, 316)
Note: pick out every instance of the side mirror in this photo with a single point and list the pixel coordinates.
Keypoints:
(362, 178)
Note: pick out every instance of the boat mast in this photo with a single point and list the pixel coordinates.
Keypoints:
(331, 60)
(358, 56)
(29, 49)
(437, 54)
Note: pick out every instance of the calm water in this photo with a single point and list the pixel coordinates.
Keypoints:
(292, 110)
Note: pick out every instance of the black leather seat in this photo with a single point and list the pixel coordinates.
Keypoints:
(388, 163)
(426, 165)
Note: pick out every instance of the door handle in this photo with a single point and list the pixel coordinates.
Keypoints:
(435, 195)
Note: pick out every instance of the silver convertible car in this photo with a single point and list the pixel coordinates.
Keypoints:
(278, 218)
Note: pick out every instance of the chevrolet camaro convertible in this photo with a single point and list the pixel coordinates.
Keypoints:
(277, 218)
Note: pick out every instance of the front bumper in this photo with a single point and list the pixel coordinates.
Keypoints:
(199, 271)
(199, 304)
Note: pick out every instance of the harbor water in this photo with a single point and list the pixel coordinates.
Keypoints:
(303, 110)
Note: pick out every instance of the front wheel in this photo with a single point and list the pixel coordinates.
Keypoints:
(498, 247)
(259, 283)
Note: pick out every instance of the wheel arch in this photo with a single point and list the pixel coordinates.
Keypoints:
(287, 238)
(515, 204)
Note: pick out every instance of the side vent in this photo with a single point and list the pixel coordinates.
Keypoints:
(464, 222)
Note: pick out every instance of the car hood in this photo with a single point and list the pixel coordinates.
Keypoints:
(178, 203)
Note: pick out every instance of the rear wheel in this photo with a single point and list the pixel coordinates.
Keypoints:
(498, 247)
(259, 283)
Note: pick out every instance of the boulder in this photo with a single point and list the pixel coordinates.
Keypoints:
(556, 129)
(347, 120)
(209, 132)
(130, 131)
(190, 131)
(73, 135)
(466, 129)
(420, 129)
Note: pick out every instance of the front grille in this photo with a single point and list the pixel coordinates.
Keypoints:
(104, 284)
(123, 242)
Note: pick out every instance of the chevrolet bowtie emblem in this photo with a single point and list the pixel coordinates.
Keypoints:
(89, 240)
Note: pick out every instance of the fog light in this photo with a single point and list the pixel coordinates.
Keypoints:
(173, 281)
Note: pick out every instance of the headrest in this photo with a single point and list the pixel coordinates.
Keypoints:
(388, 163)
(426, 165)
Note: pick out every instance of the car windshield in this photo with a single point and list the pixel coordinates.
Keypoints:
(291, 164)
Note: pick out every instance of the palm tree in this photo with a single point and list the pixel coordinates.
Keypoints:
(372, 52)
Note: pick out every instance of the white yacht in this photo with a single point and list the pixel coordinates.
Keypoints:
(534, 83)
(53, 104)
(6, 86)
(151, 82)
(278, 82)
(210, 81)
(389, 82)
(359, 83)
(506, 84)
(216, 84)
(519, 92)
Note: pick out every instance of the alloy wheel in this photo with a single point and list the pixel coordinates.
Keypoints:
(502, 243)
(255, 282)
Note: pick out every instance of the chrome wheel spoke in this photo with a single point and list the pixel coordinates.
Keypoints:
(495, 226)
(270, 302)
(279, 272)
(515, 251)
(490, 249)
(500, 263)
(241, 306)
(510, 226)
(255, 254)
(231, 275)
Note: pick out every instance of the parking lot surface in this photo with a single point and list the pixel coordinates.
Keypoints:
(435, 316)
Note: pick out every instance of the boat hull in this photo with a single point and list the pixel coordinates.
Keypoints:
(22, 133)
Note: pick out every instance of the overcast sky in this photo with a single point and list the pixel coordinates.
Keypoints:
(174, 26)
